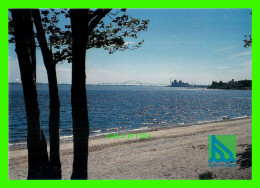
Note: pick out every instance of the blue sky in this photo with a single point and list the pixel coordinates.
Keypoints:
(193, 45)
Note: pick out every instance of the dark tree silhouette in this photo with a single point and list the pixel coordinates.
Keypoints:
(38, 161)
(87, 30)
(78, 93)
(50, 65)
(54, 117)
(241, 84)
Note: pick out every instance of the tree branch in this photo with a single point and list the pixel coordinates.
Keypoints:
(95, 13)
(97, 19)
(46, 53)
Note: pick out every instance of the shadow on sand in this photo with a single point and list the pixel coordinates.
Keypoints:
(245, 158)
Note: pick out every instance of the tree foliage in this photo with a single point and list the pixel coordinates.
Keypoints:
(241, 84)
(248, 40)
(116, 32)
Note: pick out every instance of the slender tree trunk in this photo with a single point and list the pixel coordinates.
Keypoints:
(25, 48)
(54, 118)
(79, 25)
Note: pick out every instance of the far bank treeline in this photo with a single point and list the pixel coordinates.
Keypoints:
(241, 84)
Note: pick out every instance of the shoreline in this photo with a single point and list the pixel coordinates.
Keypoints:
(179, 152)
(22, 144)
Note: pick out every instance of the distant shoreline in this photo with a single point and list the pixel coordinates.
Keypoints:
(154, 85)
(231, 89)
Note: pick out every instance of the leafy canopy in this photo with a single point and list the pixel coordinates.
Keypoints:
(248, 39)
(110, 33)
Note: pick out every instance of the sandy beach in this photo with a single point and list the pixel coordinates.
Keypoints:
(170, 153)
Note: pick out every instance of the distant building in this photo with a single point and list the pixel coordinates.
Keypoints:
(179, 84)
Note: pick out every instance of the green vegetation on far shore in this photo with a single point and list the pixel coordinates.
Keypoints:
(241, 84)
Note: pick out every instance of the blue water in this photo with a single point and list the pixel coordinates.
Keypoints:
(131, 107)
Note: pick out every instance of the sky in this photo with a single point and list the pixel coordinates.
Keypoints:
(197, 46)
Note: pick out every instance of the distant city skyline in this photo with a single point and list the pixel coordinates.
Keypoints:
(197, 46)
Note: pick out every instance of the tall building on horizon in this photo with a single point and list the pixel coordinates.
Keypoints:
(179, 84)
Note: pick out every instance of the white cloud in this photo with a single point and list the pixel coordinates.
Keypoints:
(100, 70)
(128, 43)
(63, 74)
(242, 54)
(226, 48)
(13, 70)
(246, 64)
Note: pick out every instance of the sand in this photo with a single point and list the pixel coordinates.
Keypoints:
(170, 153)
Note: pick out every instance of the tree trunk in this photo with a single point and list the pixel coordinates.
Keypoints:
(79, 25)
(25, 48)
(54, 118)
